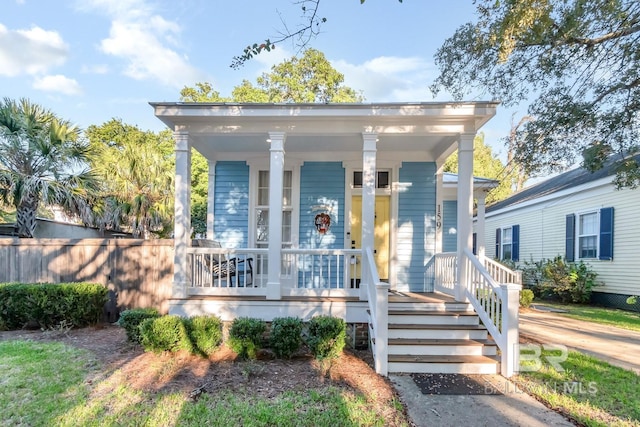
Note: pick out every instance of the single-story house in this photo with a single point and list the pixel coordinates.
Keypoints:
(339, 209)
(578, 215)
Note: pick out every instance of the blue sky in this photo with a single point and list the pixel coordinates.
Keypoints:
(91, 60)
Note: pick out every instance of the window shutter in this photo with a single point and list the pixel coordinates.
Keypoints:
(606, 234)
(498, 236)
(475, 243)
(515, 243)
(570, 241)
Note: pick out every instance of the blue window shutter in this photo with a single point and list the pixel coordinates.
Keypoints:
(498, 236)
(570, 240)
(606, 234)
(475, 243)
(515, 243)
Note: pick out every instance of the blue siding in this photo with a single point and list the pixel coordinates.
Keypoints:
(231, 223)
(450, 226)
(321, 190)
(416, 223)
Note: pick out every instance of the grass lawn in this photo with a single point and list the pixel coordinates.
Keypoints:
(588, 390)
(606, 316)
(46, 384)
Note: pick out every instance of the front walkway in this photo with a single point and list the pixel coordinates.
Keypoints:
(619, 347)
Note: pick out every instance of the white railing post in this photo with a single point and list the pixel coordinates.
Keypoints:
(182, 213)
(510, 307)
(382, 329)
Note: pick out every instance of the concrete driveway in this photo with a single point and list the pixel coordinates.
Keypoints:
(620, 347)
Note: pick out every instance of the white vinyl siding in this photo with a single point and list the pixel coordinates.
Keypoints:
(542, 232)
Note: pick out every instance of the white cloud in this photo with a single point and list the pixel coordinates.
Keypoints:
(95, 69)
(389, 79)
(32, 51)
(146, 41)
(58, 83)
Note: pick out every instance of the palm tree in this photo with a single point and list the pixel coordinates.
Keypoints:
(42, 160)
(137, 179)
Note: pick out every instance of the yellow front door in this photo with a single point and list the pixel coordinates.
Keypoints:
(381, 232)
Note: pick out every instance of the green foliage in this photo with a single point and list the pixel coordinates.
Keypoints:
(555, 51)
(130, 320)
(205, 333)
(49, 305)
(526, 298)
(632, 300)
(42, 160)
(166, 333)
(136, 168)
(326, 336)
(245, 336)
(485, 165)
(570, 282)
(286, 336)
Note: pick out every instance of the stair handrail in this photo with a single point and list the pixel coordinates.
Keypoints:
(501, 273)
(378, 297)
(497, 306)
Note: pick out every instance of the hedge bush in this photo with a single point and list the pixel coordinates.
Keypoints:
(326, 336)
(286, 336)
(130, 320)
(166, 333)
(205, 333)
(526, 297)
(48, 305)
(245, 336)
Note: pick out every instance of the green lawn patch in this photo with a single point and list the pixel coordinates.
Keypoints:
(40, 381)
(588, 390)
(45, 384)
(606, 316)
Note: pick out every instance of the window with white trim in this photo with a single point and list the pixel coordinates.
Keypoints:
(382, 179)
(506, 245)
(262, 209)
(587, 236)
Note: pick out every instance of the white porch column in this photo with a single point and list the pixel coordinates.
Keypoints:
(465, 208)
(211, 199)
(368, 200)
(182, 220)
(480, 217)
(276, 178)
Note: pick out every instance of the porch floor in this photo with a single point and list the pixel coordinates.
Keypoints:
(394, 297)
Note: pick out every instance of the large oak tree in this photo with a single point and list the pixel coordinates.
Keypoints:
(575, 62)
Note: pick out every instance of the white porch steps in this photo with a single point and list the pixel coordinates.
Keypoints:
(438, 337)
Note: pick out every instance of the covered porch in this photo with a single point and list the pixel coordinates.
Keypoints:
(360, 197)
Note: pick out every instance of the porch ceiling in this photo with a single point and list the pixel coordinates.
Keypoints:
(216, 128)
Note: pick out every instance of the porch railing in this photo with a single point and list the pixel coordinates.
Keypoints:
(440, 273)
(322, 268)
(497, 306)
(378, 297)
(501, 273)
(227, 268)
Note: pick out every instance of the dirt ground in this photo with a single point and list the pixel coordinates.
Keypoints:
(194, 375)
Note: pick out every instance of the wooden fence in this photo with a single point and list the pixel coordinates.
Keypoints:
(137, 272)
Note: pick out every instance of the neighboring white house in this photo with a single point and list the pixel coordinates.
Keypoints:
(578, 215)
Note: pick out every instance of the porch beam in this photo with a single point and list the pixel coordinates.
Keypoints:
(369, 150)
(465, 209)
(211, 199)
(182, 217)
(276, 179)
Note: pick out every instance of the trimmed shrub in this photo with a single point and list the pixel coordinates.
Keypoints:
(526, 297)
(286, 336)
(166, 333)
(130, 320)
(48, 305)
(326, 336)
(571, 282)
(245, 336)
(205, 333)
